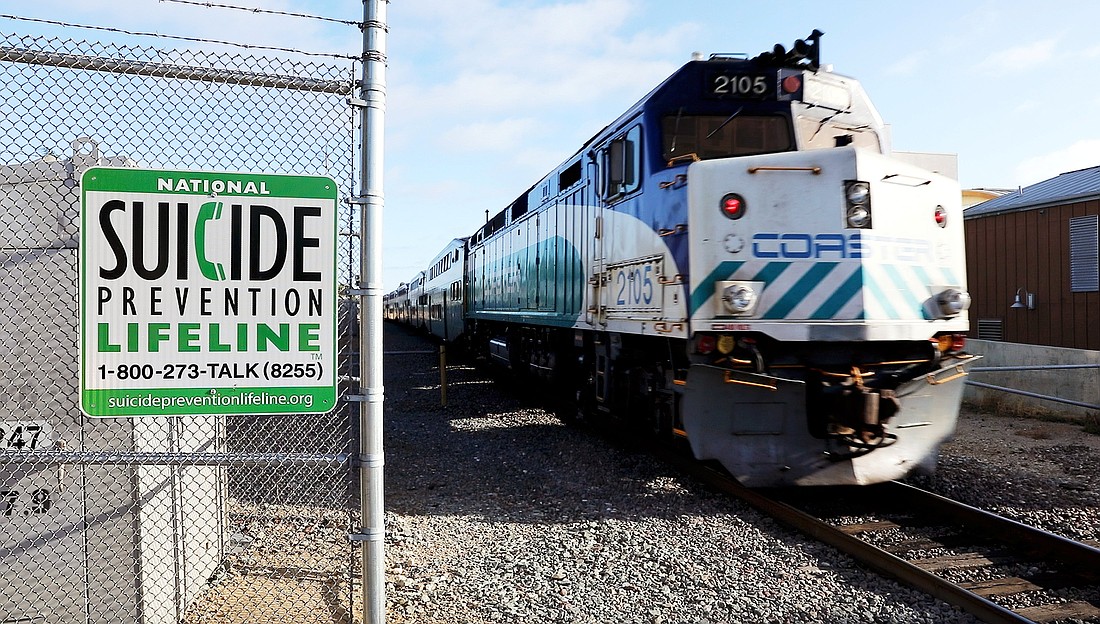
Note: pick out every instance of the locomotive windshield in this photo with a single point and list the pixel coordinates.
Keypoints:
(722, 136)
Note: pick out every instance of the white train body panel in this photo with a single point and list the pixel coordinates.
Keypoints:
(822, 280)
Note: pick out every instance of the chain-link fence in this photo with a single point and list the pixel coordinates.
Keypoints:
(153, 519)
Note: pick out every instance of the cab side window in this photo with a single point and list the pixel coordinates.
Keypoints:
(622, 165)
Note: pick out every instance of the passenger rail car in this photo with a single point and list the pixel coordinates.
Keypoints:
(417, 303)
(739, 260)
(444, 292)
(395, 304)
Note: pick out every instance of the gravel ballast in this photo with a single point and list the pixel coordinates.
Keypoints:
(1046, 474)
(497, 512)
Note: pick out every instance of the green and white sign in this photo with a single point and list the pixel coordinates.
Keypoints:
(206, 293)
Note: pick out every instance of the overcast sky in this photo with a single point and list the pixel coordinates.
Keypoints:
(486, 96)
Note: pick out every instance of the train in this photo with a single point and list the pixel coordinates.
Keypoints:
(738, 260)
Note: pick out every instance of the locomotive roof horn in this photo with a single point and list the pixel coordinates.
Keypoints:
(808, 50)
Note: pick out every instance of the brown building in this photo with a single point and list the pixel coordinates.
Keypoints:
(1032, 263)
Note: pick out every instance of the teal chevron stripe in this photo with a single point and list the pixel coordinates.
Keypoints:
(796, 293)
(881, 297)
(912, 300)
(849, 289)
(771, 272)
(947, 276)
(922, 275)
(706, 287)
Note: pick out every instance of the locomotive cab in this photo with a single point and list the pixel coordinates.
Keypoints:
(826, 293)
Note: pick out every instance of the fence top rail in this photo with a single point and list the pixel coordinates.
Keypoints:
(1034, 395)
(145, 458)
(990, 369)
(170, 70)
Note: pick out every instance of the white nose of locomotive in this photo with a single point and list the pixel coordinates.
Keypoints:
(789, 244)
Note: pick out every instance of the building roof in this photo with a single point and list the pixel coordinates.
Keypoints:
(975, 196)
(1073, 186)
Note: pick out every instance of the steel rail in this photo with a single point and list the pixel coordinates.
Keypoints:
(1083, 558)
(875, 558)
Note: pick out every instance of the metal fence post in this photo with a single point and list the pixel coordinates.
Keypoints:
(372, 118)
(443, 375)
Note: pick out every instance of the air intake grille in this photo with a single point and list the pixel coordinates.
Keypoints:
(990, 329)
(1084, 267)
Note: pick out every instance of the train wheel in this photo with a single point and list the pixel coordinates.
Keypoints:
(662, 418)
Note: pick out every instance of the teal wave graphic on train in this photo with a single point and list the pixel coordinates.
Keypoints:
(546, 279)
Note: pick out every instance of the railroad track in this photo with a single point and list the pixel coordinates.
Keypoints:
(995, 568)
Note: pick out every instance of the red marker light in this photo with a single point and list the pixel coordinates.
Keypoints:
(733, 206)
(941, 216)
(705, 343)
(958, 342)
(792, 84)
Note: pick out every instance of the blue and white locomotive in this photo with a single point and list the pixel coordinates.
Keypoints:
(737, 260)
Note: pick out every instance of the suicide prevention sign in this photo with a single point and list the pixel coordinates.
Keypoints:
(207, 293)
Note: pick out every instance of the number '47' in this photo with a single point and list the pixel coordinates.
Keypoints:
(17, 440)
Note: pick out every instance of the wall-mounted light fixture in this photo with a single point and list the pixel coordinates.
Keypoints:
(1022, 296)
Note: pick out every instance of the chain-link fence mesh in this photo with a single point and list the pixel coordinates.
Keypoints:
(161, 519)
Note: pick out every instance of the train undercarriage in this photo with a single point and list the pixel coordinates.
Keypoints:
(772, 413)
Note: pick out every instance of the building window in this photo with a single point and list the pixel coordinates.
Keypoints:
(1084, 266)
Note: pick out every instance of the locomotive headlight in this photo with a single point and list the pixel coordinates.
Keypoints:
(858, 217)
(858, 193)
(739, 298)
(952, 301)
(858, 198)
